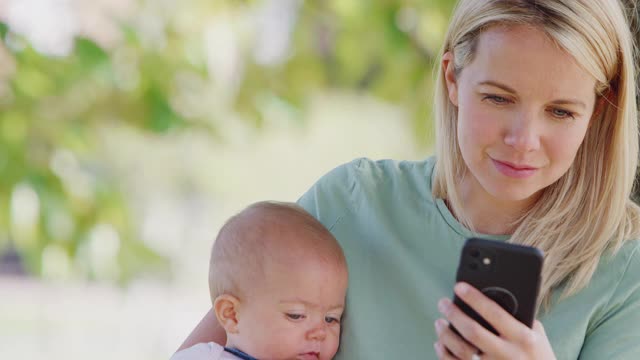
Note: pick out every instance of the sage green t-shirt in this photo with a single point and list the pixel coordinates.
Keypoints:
(402, 248)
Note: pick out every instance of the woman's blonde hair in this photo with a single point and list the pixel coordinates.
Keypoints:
(588, 210)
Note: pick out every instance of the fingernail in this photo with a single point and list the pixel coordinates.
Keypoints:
(437, 349)
(438, 326)
(461, 288)
(443, 306)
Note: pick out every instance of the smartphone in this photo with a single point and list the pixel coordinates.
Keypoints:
(509, 274)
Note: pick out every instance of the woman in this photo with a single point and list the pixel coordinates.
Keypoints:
(537, 145)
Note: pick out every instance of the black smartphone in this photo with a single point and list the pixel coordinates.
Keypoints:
(509, 274)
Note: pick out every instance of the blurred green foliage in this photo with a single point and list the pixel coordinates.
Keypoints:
(52, 108)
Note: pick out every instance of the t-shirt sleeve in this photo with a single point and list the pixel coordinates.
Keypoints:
(203, 351)
(331, 197)
(617, 336)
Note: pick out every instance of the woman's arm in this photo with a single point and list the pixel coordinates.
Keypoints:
(206, 331)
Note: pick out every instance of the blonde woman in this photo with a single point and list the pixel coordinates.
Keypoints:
(537, 144)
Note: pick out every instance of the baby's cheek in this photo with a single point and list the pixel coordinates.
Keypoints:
(280, 347)
(334, 336)
(334, 328)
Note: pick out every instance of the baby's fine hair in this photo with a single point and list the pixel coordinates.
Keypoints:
(266, 230)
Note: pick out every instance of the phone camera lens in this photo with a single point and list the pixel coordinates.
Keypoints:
(473, 266)
(475, 253)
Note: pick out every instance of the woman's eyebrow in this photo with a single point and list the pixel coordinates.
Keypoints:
(511, 90)
(498, 85)
(570, 102)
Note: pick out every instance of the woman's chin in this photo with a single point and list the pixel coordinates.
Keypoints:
(515, 194)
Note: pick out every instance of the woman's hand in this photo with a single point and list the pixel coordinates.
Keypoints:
(516, 340)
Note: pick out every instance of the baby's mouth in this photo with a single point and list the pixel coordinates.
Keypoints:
(311, 355)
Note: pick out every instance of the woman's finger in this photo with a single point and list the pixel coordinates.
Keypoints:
(451, 341)
(471, 330)
(505, 324)
(537, 327)
(442, 352)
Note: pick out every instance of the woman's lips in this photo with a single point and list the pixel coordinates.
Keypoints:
(514, 170)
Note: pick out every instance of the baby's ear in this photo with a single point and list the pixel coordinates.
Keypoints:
(226, 308)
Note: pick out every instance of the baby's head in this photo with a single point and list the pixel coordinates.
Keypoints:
(278, 281)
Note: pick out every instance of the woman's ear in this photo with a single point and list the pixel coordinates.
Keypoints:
(599, 108)
(448, 68)
(607, 98)
(226, 309)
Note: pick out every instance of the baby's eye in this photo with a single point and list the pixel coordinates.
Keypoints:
(331, 320)
(295, 316)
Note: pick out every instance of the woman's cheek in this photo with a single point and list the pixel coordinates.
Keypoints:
(561, 146)
(480, 128)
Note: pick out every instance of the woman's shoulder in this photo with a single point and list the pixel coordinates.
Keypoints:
(627, 261)
(628, 255)
(620, 270)
(378, 173)
(352, 185)
(616, 292)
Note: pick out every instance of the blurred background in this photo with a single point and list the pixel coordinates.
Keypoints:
(131, 129)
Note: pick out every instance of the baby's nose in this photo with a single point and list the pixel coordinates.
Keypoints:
(318, 333)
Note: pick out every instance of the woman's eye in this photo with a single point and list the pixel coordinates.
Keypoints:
(331, 320)
(497, 99)
(295, 316)
(562, 114)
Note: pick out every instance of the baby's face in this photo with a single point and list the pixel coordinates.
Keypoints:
(296, 314)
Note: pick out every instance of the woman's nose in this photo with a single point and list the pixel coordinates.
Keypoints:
(522, 134)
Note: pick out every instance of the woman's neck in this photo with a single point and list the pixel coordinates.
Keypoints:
(488, 214)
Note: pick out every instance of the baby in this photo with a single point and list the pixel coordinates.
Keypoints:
(278, 281)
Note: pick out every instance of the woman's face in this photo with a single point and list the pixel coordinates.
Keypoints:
(524, 107)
